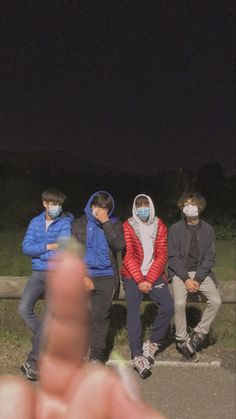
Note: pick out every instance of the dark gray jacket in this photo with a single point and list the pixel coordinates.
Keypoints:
(179, 241)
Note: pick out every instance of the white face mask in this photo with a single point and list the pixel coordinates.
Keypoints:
(190, 210)
(94, 211)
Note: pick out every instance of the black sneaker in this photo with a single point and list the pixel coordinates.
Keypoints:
(196, 341)
(29, 368)
(187, 350)
(190, 357)
(142, 365)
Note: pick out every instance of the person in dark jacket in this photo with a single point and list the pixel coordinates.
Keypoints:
(41, 242)
(191, 259)
(102, 235)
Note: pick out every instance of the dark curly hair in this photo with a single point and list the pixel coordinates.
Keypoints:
(196, 199)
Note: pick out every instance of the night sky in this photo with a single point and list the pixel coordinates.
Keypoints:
(143, 85)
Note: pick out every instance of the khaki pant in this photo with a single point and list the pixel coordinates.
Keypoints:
(211, 293)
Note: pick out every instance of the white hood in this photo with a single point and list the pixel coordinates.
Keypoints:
(152, 210)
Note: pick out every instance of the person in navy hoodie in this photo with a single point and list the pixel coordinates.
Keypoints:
(102, 235)
(41, 242)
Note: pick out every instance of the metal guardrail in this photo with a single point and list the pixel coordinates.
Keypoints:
(11, 287)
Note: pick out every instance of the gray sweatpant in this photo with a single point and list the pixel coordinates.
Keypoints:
(210, 291)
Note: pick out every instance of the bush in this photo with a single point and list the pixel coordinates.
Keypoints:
(225, 228)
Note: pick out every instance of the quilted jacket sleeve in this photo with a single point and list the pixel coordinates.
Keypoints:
(131, 264)
(160, 254)
(30, 246)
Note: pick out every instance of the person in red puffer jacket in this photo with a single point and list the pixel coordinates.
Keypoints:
(143, 273)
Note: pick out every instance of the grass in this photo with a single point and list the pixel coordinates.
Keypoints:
(223, 329)
(225, 268)
(14, 263)
(223, 332)
(14, 333)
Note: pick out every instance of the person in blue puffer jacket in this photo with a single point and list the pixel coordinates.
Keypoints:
(41, 243)
(102, 235)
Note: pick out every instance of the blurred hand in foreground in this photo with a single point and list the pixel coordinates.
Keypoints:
(70, 388)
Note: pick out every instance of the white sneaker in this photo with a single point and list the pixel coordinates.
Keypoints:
(150, 350)
(142, 365)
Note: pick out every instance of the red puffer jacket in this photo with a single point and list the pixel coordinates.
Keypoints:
(132, 261)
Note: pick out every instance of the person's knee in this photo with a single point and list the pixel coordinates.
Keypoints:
(179, 305)
(101, 317)
(170, 310)
(133, 303)
(215, 303)
(22, 310)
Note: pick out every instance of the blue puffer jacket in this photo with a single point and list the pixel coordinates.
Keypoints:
(36, 238)
(97, 257)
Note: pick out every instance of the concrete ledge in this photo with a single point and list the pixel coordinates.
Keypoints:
(227, 291)
(11, 287)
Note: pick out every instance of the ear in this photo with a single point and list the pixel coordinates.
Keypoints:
(45, 204)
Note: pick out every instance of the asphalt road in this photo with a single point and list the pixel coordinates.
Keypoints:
(179, 390)
(191, 392)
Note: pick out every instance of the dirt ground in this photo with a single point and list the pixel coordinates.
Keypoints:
(13, 353)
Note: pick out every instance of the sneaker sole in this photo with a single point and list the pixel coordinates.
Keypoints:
(26, 373)
(145, 374)
(191, 358)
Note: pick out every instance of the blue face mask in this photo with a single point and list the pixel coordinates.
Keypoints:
(54, 211)
(143, 213)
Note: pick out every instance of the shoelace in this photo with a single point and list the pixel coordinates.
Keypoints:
(142, 362)
(153, 347)
(150, 347)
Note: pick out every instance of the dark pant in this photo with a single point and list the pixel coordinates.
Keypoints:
(32, 292)
(161, 296)
(101, 305)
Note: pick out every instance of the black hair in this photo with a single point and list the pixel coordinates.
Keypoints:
(102, 200)
(141, 200)
(53, 195)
